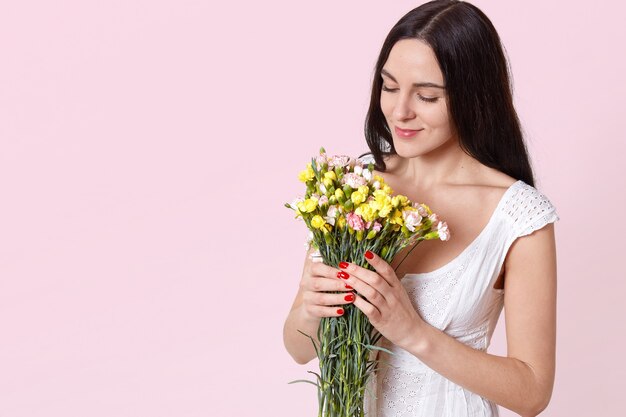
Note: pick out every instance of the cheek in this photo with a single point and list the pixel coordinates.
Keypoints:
(437, 117)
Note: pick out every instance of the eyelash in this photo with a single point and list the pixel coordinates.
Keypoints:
(426, 99)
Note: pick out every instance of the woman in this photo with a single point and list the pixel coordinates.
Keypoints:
(442, 130)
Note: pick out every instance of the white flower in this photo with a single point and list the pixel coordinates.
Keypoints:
(444, 233)
(358, 169)
(322, 188)
(331, 214)
(422, 211)
(367, 174)
(323, 200)
(411, 219)
(376, 185)
(434, 218)
(294, 203)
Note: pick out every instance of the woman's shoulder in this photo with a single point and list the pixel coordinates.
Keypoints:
(528, 209)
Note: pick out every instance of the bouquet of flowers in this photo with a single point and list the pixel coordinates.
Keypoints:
(348, 211)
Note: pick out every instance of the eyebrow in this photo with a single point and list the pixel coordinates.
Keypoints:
(423, 84)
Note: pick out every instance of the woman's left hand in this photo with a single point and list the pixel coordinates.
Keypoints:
(388, 306)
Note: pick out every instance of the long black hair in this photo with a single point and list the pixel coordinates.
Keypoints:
(476, 75)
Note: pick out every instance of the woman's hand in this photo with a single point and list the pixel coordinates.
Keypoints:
(386, 303)
(317, 279)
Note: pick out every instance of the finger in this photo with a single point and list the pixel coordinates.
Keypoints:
(328, 299)
(323, 284)
(372, 278)
(382, 267)
(322, 311)
(373, 295)
(370, 310)
(320, 269)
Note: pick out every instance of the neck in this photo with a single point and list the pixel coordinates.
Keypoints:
(445, 165)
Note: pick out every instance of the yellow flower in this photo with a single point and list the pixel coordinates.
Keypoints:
(327, 182)
(380, 195)
(357, 197)
(318, 221)
(381, 202)
(341, 222)
(387, 189)
(399, 200)
(366, 212)
(308, 205)
(380, 179)
(330, 175)
(396, 218)
(385, 210)
(339, 193)
(307, 174)
(364, 189)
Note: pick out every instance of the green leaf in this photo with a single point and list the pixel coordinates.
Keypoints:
(304, 380)
(379, 348)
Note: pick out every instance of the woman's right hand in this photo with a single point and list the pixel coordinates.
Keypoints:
(315, 299)
(317, 285)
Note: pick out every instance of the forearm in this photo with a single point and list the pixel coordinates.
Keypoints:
(508, 382)
(298, 345)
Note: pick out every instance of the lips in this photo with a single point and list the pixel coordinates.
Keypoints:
(406, 133)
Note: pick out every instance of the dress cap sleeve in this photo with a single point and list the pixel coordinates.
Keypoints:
(529, 210)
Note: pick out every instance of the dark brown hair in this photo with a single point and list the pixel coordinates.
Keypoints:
(476, 75)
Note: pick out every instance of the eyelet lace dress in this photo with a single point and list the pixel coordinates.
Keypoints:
(458, 299)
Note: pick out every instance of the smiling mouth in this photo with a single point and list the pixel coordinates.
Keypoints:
(406, 133)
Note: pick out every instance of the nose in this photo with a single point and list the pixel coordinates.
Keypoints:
(402, 109)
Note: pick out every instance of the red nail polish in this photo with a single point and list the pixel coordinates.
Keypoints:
(339, 274)
(340, 311)
(349, 297)
(369, 255)
(343, 274)
(343, 265)
(348, 287)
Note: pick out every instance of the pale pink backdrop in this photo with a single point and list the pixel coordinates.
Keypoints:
(147, 147)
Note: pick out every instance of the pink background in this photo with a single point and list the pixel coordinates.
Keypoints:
(146, 260)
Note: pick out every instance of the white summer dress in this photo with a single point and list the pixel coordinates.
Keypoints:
(458, 299)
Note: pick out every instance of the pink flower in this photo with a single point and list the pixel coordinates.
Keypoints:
(338, 161)
(434, 218)
(355, 221)
(321, 159)
(421, 210)
(323, 200)
(353, 180)
(377, 226)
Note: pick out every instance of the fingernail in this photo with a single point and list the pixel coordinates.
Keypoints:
(348, 287)
(343, 265)
(369, 255)
(349, 297)
(340, 311)
(343, 274)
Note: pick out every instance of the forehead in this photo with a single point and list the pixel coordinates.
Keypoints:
(412, 60)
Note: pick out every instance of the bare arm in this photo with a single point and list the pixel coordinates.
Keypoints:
(523, 380)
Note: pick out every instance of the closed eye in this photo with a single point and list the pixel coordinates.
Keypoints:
(419, 96)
